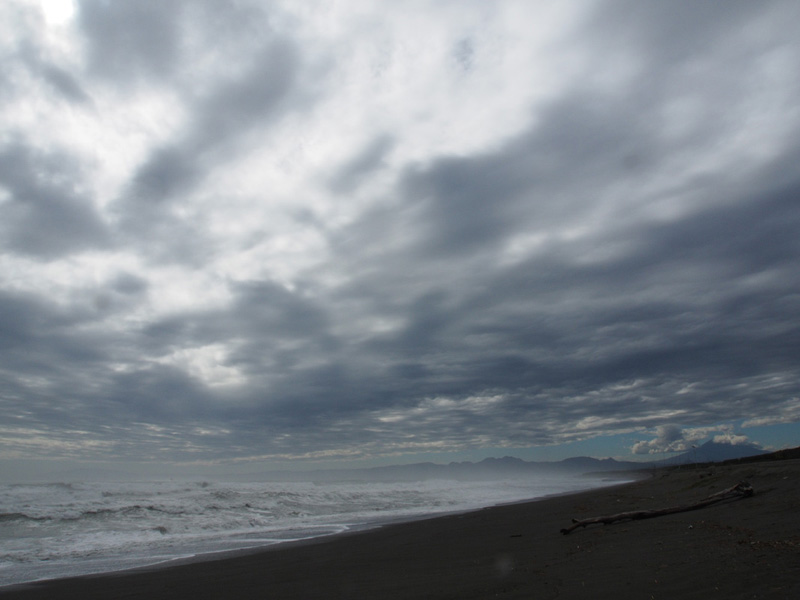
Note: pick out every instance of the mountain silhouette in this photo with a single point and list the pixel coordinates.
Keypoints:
(712, 451)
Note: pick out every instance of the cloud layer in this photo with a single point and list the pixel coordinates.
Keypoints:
(276, 230)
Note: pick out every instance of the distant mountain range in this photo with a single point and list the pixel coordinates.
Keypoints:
(485, 470)
(713, 452)
(509, 467)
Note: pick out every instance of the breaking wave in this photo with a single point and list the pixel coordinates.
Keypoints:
(69, 529)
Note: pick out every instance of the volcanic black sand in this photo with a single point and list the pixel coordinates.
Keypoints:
(747, 548)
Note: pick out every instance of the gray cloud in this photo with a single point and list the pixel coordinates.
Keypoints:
(626, 261)
(151, 42)
(361, 166)
(45, 215)
(223, 120)
(132, 39)
(233, 73)
(681, 32)
(59, 79)
(65, 83)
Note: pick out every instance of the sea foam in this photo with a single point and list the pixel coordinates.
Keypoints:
(58, 530)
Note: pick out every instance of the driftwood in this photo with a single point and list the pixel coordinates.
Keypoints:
(740, 490)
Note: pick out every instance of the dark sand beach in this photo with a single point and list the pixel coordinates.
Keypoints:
(747, 548)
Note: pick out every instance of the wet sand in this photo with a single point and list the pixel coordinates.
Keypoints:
(747, 548)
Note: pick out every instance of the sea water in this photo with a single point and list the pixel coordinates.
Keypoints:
(66, 529)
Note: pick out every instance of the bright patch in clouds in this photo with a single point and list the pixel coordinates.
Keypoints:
(205, 363)
(58, 12)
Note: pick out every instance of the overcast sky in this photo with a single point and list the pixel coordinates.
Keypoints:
(377, 230)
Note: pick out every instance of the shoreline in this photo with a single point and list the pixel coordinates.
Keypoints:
(126, 565)
(749, 548)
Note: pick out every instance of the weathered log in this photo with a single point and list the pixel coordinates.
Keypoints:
(740, 490)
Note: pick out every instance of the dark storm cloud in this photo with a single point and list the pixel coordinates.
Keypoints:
(46, 216)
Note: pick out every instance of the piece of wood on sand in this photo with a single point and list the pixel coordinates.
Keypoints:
(740, 490)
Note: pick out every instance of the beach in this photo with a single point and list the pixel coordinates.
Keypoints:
(742, 548)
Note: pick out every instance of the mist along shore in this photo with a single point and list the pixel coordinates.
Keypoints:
(745, 548)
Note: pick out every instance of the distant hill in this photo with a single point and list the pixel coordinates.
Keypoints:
(585, 464)
(712, 452)
(785, 454)
(485, 470)
(488, 469)
(497, 468)
(510, 467)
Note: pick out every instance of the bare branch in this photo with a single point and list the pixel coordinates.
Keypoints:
(740, 490)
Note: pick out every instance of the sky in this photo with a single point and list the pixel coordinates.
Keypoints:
(290, 234)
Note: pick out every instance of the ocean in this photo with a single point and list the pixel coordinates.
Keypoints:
(65, 529)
